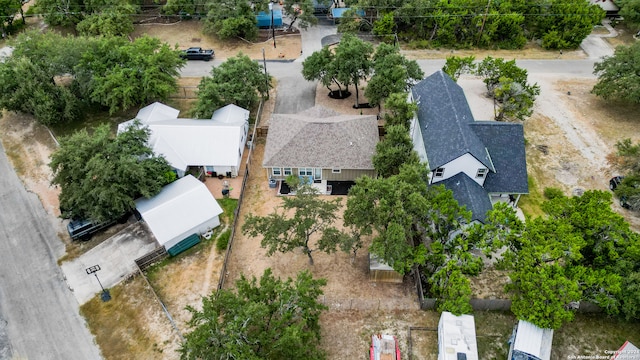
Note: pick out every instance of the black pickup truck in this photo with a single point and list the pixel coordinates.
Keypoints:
(197, 53)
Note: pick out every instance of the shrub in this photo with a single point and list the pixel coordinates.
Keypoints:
(223, 240)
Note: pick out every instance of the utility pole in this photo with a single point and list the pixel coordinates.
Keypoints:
(266, 76)
(484, 19)
(273, 28)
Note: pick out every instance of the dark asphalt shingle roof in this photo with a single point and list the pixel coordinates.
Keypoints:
(444, 116)
(505, 142)
(322, 138)
(469, 194)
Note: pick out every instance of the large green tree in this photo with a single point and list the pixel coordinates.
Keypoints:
(28, 77)
(415, 224)
(395, 149)
(239, 80)
(392, 73)
(300, 218)
(266, 319)
(580, 250)
(120, 74)
(353, 61)
(91, 17)
(398, 110)
(29, 88)
(9, 9)
(321, 66)
(100, 176)
(618, 77)
(231, 19)
(630, 11)
(513, 97)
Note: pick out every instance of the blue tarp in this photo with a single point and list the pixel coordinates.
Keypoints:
(264, 19)
(337, 12)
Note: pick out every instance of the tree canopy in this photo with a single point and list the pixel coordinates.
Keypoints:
(415, 224)
(392, 73)
(618, 75)
(395, 149)
(238, 80)
(301, 217)
(8, 11)
(580, 250)
(266, 319)
(630, 11)
(91, 17)
(464, 24)
(100, 176)
(513, 97)
(51, 76)
(353, 62)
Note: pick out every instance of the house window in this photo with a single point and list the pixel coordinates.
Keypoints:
(482, 172)
(287, 171)
(439, 172)
(336, 171)
(305, 171)
(276, 171)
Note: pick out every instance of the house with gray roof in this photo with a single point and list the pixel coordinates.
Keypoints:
(480, 161)
(321, 146)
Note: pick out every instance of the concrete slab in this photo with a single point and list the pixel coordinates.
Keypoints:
(115, 257)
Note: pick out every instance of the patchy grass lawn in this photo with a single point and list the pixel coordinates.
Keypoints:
(131, 324)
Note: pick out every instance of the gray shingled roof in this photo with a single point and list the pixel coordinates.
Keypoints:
(319, 137)
(444, 115)
(470, 194)
(505, 142)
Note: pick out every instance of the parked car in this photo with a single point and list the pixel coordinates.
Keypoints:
(614, 182)
(83, 229)
(197, 53)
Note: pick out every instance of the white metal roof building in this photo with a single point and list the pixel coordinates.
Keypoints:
(457, 337)
(182, 208)
(216, 143)
(529, 342)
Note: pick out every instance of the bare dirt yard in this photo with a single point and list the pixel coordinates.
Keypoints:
(568, 139)
(184, 34)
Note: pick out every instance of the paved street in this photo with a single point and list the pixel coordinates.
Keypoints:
(39, 316)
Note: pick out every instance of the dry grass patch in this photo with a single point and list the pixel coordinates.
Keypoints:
(188, 33)
(131, 324)
(530, 51)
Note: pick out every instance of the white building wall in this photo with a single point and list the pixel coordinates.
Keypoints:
(199, 229)
(466, 164)
(416, 138)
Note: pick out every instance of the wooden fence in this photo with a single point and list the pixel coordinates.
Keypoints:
(151, 257)
(185, 92)
(490, 304)
(236, 213)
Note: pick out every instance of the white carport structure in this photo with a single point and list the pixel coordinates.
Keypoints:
(183, 208)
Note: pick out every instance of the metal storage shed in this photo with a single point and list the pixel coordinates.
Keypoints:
(529, 342)
(182, 208)
(457, 337)
(379, 271)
